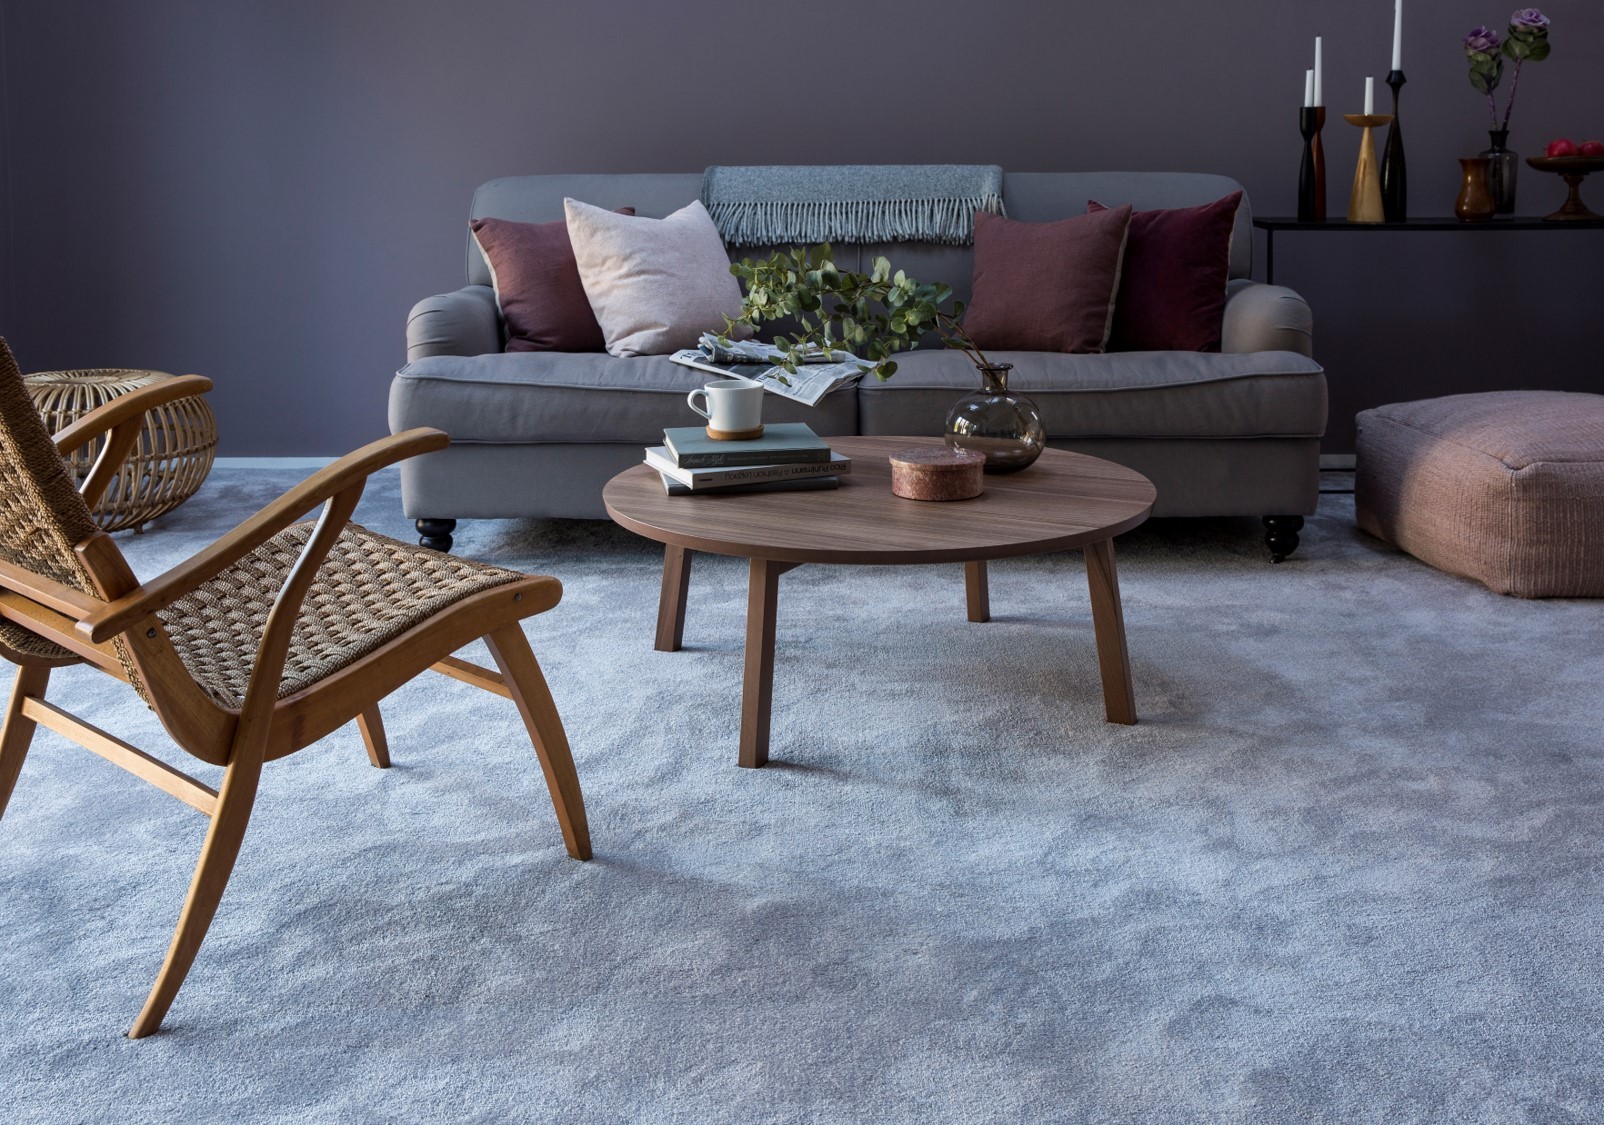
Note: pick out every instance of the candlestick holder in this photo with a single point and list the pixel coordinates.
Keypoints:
(1394, 173)
(1312, 171)
(1364, 205)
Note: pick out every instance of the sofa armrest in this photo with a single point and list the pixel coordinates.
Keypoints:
(466, 322)
(1266, 318)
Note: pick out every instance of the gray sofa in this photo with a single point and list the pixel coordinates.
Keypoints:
(537, 434)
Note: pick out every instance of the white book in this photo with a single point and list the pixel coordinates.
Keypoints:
(659, 458)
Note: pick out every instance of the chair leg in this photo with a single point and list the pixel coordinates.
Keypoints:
(372, 728)
(223, 839)
(17, 733)
(512, 654)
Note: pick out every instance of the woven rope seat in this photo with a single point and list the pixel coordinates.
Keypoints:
(167, 465)
(370, 589)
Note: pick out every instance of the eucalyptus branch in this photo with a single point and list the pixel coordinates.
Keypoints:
(952, 330)
(873, 315)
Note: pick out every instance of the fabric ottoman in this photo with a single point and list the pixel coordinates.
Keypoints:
(1506, 488)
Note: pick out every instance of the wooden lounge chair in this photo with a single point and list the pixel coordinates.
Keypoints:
(264, 642)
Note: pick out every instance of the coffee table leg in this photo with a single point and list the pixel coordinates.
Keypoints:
(977, 590)
(671, 603)
(1108, 620)
(757, 689)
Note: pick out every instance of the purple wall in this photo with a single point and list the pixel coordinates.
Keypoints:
(260, 190)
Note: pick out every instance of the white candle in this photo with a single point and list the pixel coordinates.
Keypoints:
(1308, 88)
(1319, 84)
(1397, 34)
(1370, 96)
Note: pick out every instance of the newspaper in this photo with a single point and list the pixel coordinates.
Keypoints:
(818, 372)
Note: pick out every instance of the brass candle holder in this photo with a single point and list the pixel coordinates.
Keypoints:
(1364, 205)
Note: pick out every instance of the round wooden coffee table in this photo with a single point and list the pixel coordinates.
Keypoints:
(1064, 501)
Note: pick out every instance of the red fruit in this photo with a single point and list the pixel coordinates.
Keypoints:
(1590, 148)
(1562, 146)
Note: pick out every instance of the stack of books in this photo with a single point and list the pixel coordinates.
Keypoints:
(788, 457)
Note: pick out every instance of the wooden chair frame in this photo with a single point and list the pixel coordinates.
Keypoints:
(265, 726)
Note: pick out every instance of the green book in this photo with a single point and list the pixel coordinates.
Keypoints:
(782, 443)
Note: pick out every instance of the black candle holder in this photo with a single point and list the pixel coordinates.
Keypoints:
(1394, 172)
(1312, 172)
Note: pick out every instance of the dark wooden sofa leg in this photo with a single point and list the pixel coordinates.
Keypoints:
(1280, 535)
(436, 534)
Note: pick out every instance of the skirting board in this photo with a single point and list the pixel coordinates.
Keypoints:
(272, 462)
(1340, 461)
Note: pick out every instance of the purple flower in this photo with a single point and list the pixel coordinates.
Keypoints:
(1482, 41)
(1526, 19)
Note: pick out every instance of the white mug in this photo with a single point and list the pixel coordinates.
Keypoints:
(731, 405)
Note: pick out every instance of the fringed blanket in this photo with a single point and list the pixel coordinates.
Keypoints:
(850, 203)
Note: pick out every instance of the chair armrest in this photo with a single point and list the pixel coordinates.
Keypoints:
(164, 590)
(466, 322)
(1266, 318)
(124, 407)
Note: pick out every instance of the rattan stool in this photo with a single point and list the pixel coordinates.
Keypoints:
(168, 464)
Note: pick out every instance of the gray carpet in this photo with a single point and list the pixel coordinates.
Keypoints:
(1347, 868)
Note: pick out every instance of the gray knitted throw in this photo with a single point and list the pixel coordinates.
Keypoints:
(850, 203)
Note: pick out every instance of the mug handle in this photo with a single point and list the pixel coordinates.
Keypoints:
(702, 410)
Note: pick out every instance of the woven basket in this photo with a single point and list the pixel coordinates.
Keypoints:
(168, 463)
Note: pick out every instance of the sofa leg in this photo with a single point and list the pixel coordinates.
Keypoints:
(436, 534)
(1281, 535)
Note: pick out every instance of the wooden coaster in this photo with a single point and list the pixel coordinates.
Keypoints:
(734, 435)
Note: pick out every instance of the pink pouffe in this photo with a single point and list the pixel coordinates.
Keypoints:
(1506, 488)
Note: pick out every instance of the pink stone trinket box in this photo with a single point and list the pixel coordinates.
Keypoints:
(937, 472)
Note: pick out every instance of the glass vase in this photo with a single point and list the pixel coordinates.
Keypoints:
(1501, 166)
(997, 422)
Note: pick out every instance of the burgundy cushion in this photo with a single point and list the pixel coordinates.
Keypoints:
(1172, 294)
(1046, 287)
(538, 287)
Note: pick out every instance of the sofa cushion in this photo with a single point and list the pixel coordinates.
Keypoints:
(1172, 290)
(537, 286)
(1046, 286)
(656, 285)
(523, 398)
(1120, 394)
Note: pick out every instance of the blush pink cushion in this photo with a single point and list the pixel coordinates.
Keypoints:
(537, 286)
(655, 285)
(1172, 293)
(1046, 287)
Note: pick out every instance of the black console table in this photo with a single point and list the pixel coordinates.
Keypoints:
(1449, 222)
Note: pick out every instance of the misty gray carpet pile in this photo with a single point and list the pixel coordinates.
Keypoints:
(1348, 867)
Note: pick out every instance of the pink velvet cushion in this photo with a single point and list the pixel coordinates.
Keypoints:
(538, 287)
(1046, 287)
(1172, 294)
